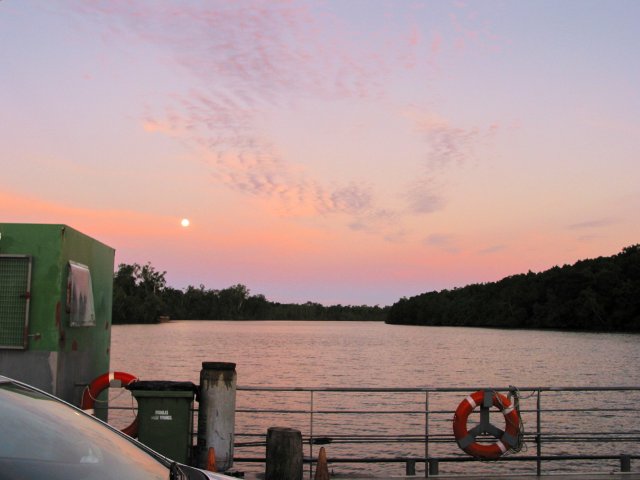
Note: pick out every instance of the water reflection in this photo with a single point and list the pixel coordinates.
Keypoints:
(362, 354)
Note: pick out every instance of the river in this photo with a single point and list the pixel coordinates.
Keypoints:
(372, 354)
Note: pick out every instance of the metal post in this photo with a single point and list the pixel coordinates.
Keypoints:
(426, 434)
(433, 467)
(311, 436)
(216, 413)
(625, 463)
(538, 436)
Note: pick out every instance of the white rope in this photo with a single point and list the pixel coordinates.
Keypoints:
(88, 390)
(520, 443)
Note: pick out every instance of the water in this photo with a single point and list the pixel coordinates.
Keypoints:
(367, 354)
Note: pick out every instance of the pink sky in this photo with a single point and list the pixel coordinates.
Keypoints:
(340, 152)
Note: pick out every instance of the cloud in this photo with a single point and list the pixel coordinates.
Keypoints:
(380, 221)
(422, 197)
(592, 224)
(242, 60)
(261, 51)
(248, 58)
(468, 31)
(492, 249)
(448, 144)
(151, 125)
(260, 172)
(352, 199)
(446, 242)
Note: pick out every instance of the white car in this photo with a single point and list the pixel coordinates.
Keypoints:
(42, 436)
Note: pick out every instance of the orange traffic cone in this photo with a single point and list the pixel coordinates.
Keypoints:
(211, 460)
(322, 469)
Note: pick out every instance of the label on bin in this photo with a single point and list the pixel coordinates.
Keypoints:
(161, 415)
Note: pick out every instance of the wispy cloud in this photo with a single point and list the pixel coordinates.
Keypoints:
(446, 242)
(468, 31)
(244, 59)
(384, 222)
(447, 144)
(353, 199)
(592, 224)
(492, 249)
(249, 57)
(422, 196)
(261, 51)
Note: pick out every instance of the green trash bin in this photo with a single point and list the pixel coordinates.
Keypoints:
(165, 419)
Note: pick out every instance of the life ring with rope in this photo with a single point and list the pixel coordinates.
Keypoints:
(102, 382)
(506, 440)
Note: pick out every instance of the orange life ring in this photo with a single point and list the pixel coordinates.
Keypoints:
(101, 383)
(505, 440)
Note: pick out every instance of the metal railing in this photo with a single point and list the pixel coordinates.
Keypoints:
(563, 424)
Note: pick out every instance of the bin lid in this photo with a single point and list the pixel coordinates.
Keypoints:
(162, 386)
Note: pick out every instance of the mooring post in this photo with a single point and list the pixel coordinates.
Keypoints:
(284, 454)
(217, 413)
(410, 467)
(625, 463)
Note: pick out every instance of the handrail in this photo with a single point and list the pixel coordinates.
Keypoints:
(436, 389)
(538, 436)
(430, 420)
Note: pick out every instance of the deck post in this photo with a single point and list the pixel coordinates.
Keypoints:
(625, 463)
(410, 467)
(284, 454)
(216, 414)
(433, 467)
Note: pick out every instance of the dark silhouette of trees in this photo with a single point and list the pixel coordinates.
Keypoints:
(137, 294)
(601, 294)
(140, 295)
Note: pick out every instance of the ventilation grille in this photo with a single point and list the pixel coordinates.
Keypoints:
(15, 280)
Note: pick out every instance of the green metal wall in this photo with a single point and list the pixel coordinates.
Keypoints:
(60, 358)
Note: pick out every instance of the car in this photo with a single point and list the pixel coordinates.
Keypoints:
(46, 437)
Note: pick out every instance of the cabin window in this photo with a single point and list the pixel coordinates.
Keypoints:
(80, 296)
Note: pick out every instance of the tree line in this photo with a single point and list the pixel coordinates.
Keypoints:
(141, 295)
(601, 294)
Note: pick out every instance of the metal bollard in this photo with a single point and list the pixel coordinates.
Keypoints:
(217, 413)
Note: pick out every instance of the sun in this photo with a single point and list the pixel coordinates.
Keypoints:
(185, 222)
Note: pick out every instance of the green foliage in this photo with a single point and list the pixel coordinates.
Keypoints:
(601, 294)
(137, 294)
(140, 295)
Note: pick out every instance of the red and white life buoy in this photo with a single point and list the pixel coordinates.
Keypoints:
(504, 440)
(103, 382)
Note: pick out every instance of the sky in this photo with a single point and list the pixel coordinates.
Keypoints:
(347, 151)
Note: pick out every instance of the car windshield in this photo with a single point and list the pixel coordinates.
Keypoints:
(45, 438)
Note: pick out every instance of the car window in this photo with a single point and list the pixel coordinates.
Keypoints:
(45, 438)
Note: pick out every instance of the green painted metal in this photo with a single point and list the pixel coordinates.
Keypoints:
(165, 422)
(15, 283)
(58, 357)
